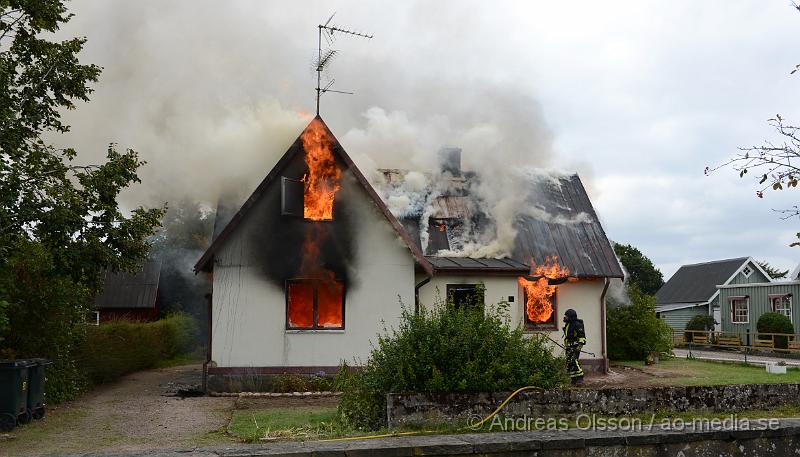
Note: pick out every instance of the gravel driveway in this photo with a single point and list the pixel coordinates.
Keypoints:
(138, 412)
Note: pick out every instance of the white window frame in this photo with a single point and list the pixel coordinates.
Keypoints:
(779, 298)
(732, 302)
(747, 271)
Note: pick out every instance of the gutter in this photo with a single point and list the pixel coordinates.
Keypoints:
(603, 325)
(417, 287)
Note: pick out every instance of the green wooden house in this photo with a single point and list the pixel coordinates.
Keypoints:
(702, 288)
(743, 303)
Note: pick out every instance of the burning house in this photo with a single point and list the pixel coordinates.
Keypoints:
(320, 258)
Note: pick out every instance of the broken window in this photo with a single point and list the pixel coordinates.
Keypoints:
(314, 304)
(465, 295)
(545, 323)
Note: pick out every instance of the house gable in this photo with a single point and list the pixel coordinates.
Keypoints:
(749, 273)
(292, 165)
(697, 283)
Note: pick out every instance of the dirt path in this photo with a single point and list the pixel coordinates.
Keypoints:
(137, 412)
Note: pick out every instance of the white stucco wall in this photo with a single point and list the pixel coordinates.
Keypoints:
(249, 315)
(583, 296)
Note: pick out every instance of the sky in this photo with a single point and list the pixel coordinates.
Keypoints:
(637, 97)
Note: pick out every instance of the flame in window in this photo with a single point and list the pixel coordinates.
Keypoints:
(322, 180)
(539, 291)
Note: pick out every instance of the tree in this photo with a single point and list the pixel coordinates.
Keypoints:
(60, 222)
(773, 272)
(641, 271)
(634, 331)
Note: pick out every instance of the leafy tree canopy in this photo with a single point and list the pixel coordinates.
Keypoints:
(60, 222)
(642, 273)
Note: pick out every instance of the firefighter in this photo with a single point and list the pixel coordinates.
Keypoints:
(574, 339)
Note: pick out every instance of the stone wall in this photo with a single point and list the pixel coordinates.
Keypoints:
(453, 408)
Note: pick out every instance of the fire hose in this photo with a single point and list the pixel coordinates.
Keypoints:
(472, 426)
(562, 346)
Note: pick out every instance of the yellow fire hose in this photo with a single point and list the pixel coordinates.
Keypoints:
(476, 426)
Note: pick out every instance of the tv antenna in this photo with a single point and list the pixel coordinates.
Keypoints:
(325, 57)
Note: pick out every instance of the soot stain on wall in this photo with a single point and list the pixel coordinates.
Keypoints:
(277, 240)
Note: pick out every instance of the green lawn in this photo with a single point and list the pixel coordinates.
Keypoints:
(687, 372)
(288, 422)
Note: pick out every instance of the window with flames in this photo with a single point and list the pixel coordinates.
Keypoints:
(314, 305)
(546, 320)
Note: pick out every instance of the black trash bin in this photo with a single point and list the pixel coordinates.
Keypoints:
(36, 380)
(13, 393)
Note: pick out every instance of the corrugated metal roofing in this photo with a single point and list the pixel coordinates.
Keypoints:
(567, 228)
(468, 263)
(124, 290)
(698, 282)
(561, 222)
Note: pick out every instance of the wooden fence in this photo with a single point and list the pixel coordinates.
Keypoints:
(778, 342)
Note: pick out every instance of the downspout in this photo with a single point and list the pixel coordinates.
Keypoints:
(417, 287)
(603, 325)
(209, 300)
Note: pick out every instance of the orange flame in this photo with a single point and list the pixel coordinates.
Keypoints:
(539, 291)
(316, 281)
(322, 180)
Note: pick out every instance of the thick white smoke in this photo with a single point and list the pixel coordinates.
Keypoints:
(211, 94)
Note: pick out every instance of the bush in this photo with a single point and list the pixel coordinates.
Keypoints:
(445, 349)
(700, 322)
(775, 323)
(634, 331)
(117, 348)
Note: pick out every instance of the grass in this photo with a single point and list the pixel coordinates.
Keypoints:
(293, 423)
(687, 372)
(289, 422)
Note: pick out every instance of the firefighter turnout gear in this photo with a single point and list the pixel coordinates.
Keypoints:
(574, 339)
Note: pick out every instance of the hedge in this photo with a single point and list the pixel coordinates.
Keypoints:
(117, 348)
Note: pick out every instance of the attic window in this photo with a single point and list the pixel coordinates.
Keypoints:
(550, 323)
(312, 304)
(747, 272)
(291, 197)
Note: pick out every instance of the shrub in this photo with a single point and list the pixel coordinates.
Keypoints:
(699, 322)
(775, 323)
(289, 382)
(117, 348)
(445, 349)
(634, 331)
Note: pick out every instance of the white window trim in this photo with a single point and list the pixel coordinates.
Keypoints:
(733, 310)
(747, 271)
(772, 299)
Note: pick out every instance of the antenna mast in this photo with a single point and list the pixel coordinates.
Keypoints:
(325, 57)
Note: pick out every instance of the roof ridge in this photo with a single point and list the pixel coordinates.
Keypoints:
(715, 261)
(338, 150)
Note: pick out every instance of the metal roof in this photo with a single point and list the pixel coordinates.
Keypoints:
(568, 228)
(454, 264)
(125, 290)
(559, 221)
(698, 282)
